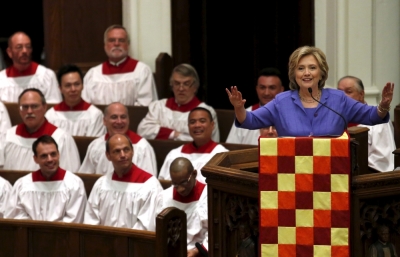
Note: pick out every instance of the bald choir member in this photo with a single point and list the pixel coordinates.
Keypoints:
(189, 195)
(201, 150)
(125, 197)
(116, 120)
(50, 193)
(24, 73)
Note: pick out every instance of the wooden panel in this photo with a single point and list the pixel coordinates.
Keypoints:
(39, 238)
(225, 122)
(74, 30)
(7, 239)
(228, 51)
(106, 245)
(53, 241)
(164, 66)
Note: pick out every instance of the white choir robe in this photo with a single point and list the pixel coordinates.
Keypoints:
(198, 156)
(84, 119)
(18, 154)
(5, 189)
(96, 161)
(166, 115)
(127, 202)
(62, 198)
(380, 146)
(195, 207)
(130, 83)
(12, 83)
(5, 124)
(241, 135)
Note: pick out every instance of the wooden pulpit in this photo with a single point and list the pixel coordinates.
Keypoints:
(233, 199)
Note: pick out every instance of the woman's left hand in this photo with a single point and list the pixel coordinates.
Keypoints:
(387, 95)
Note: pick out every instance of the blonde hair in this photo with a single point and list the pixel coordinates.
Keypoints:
(294, 60)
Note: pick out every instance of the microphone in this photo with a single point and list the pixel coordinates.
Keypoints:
(202, 250)
(345, 122)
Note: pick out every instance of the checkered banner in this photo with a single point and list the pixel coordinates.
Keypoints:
(304, 197)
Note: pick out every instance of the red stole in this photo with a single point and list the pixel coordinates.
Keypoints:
(37, 176)
(193, 196)
(190, 148)
(129, 65)
(13, 72)
(134, 175)
(63, 107)
(46, 129)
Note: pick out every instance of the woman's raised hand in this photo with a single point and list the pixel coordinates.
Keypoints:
(387, 95)
(235, 97)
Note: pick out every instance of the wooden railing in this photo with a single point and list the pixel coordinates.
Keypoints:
(22, 238)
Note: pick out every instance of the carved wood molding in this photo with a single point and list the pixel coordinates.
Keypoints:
(174, 231)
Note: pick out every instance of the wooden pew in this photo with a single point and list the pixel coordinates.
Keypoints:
(161, 147)
(21, 238)
(136, 114)
(88, 179)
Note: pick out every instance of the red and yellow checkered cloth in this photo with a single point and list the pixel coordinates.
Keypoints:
(304, 197)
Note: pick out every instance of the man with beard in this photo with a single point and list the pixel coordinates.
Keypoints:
(121, 78)
(17, 152)
(24, 73)
(201, 150)
(50, 193)
(269, 84)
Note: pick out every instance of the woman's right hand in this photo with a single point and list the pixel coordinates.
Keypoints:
(235, 97)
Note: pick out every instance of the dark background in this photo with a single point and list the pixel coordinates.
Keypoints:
(227, 42)
(26, 16)
(230, 43)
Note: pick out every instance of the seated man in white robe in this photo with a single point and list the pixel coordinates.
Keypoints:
(125, 197)
(121, 78)
(50, 193)
(5, 124)
(201, 150)
(24, 73)
(116, 120)
(17, 154)
(189, 195)
(5, 189)
(167, 118)
(380, 137)
(269, 84)
(74, 114)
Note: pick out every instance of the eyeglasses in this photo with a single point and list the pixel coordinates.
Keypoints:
(184, 183)
(25, 107)
(186, 84)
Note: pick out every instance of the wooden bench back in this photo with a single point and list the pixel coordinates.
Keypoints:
(88, 179)
(21, 238)
(161, 147)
